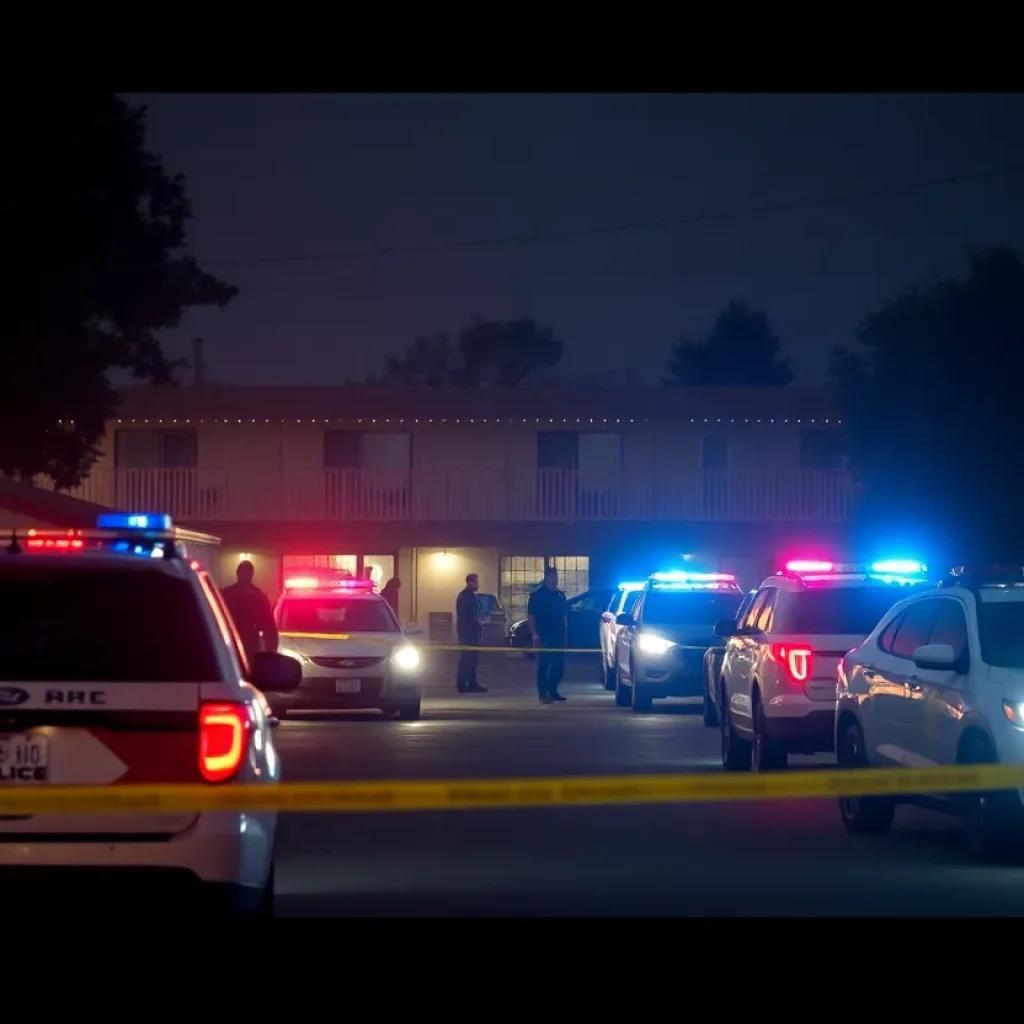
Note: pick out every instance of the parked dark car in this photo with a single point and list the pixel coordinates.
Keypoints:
(584, 622)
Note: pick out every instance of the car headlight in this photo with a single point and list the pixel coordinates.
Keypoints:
(406, 658)
(301, 658)
(650, 644)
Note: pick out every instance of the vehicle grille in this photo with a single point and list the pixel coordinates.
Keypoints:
(346, 662)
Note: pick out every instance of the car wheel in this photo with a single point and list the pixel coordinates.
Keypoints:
(709, 711)
(623, 693)
(993, 822)
(609, 677)
(409, 712)
(735, 750)
(862, 815)
(767, 754)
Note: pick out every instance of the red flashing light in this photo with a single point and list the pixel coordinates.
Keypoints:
(55, 543)
(795, 660)
(313, 583)
(806, 565)
(302, 583)
(223, 740)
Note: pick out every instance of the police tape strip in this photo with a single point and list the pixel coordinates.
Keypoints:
(431, 646)
(455, 794)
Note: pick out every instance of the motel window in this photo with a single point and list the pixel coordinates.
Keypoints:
(380, 450)
(156, 449)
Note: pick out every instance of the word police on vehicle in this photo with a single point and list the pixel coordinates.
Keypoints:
(75, 697)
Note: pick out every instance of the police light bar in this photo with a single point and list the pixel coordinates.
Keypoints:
(899, 567)
(315, 583)
(632, 585)
(54, 543)
(693, 577)
(808, 565)
(134, 521)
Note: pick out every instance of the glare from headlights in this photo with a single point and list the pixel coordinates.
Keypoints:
(650, 644)
(301, 658)
(406, 658)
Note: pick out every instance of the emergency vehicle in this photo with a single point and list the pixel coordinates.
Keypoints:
(353, 652)
(121, 665)
(776, 694)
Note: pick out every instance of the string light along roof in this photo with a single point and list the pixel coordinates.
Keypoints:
(520, 405)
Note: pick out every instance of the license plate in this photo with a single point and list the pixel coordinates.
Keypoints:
(348, 685)
(24, 757)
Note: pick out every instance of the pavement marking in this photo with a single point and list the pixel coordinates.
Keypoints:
(458, 794)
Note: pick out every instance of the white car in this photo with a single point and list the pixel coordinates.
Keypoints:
(353, 652)
(940, 681)
(121, 666)
(777, 690)
(622, 602)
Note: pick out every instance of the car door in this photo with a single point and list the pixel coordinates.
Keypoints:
(585, 619)
(872, 676)
(895, 730)
(626, 637)
(741, 659)
(936, 699)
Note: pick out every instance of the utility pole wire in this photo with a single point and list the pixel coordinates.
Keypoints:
(796, 206)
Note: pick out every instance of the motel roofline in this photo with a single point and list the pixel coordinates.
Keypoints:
(536, 403)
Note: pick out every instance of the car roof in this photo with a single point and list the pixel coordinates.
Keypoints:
(82, 561)
(353, 594)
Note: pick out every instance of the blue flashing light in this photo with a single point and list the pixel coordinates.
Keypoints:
(134, 521)
(899, 567)
(632, 585)
(693, 577)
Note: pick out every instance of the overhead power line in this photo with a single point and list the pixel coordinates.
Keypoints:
(738, 213)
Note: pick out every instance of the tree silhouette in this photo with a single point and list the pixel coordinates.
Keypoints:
(932, 411)
(93, 268)
(487, 352)
(740, 350)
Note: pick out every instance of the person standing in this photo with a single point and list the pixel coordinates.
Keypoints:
(251, 611)
(549, 625)
(469, 631)
(390, 594)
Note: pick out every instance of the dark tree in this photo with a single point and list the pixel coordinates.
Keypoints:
(932, 412)
(487, 352)
(430, 361)
(741, 350)
(93, 269)
(506, 353)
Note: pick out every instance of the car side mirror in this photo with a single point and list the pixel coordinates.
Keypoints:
(607, 617)
(625, 620)
(937, 657)
(413, 631)
(275, 673)
(726, 627)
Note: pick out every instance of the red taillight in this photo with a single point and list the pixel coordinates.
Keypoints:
(795, 659)
(223, 740)
(55, 543)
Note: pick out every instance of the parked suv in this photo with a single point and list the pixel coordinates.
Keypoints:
(940, 681)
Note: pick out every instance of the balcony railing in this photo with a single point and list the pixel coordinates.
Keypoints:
(208, 495)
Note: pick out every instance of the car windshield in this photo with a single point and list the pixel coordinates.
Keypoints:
(336, 615)
(1001, 631)
(65, 623)
(668, 607)
(853, 611)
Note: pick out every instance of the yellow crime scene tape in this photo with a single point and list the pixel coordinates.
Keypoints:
(492, 794)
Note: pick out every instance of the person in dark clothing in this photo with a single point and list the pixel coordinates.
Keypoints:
(470, 632)
(390, 594)
(250, 609)
(549, 625)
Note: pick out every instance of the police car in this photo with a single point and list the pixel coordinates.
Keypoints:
(120, 666)
(353, 651)
(659, 651)
(622, 602)
(777, 690)
(940, 681)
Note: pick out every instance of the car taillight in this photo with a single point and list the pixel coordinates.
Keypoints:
(795, 659)
(223, 740)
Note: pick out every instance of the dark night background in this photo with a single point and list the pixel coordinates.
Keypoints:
(305, 175)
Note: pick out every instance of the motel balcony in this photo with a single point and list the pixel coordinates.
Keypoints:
(552, 495)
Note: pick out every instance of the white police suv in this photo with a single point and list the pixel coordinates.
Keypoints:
(121, 665)
(940, 681)
(659, 651)
(713, 658)
(777, 689)
(353, 652)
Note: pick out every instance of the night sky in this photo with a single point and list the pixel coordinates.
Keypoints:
(296, 175)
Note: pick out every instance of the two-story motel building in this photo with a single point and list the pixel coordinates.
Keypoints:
(433, 483)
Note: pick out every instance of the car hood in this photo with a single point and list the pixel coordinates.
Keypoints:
(356, 645)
